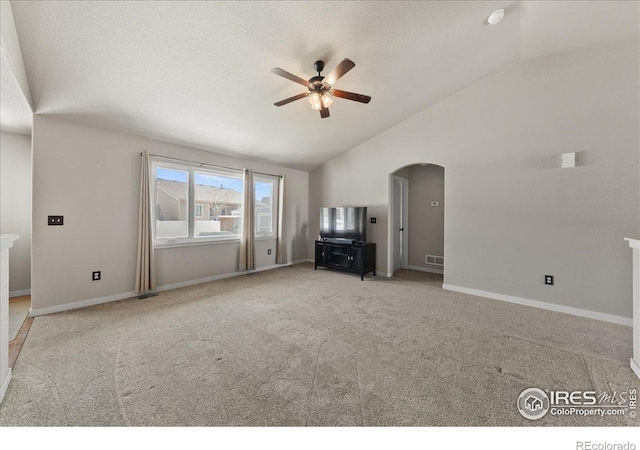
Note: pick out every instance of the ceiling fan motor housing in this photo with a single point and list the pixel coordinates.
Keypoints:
(316, 82)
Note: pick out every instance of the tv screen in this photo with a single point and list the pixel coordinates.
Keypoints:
(347, 222)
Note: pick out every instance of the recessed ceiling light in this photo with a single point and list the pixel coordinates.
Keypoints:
(496, 17)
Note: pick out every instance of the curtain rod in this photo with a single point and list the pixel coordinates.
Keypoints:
(209, 165)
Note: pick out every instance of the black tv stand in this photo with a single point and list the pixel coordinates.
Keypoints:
(347, 255)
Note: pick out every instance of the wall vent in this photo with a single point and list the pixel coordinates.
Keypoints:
(435, 260)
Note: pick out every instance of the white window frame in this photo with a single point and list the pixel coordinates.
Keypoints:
(274, 206)
(191, 168)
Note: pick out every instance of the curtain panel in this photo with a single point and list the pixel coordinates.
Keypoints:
(247, 253)
(145, 265)
(281, 249)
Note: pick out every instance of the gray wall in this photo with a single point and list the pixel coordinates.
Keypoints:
(15, 205)
(426, 222)
(512, 214)
(92, 177)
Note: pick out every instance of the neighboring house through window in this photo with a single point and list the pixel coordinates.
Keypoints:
(265, 188)
(193, 204)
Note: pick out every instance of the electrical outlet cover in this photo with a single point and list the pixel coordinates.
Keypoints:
(55, 220)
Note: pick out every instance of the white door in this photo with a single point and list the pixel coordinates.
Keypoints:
(397, 223)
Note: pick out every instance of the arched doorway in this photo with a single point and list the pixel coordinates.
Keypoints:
(416, 218)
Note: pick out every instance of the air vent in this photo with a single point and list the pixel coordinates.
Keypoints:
(435, 260)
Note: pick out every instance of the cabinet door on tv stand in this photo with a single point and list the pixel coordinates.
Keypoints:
(319, 254)
(356, 259)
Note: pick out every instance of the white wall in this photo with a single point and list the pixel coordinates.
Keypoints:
(92, 176)
(426, 222)
(513, 215)
(15, 205)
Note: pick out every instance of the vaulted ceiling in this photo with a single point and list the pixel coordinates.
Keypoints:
(198, 73)
(15, 112)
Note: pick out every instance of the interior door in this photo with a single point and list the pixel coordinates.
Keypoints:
(397, 223)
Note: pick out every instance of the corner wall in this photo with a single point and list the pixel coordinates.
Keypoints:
(92, 177)
(15, 206)
(513, 215)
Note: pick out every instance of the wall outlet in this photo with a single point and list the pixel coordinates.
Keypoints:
(269, 252)
(548, 279)
(95, 276)
(55, 220)
(435, 203)
(373, 220)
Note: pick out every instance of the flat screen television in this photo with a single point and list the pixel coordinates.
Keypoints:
(346, 222)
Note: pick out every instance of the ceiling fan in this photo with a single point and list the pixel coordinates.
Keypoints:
(320, 88)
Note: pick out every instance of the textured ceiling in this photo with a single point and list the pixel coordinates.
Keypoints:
(198, 73)
(15, 113)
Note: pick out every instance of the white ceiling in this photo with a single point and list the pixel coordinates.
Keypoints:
(198, 73)
(15, 113)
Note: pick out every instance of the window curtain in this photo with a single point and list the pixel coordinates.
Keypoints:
(247, 256)
(145, 266)
(281, 250)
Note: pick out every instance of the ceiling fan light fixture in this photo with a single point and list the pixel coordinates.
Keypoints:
(326, 100)
(315, 100)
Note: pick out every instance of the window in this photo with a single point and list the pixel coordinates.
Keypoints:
(172, 190)
(266, 205)
(340, 213)
(194, 204)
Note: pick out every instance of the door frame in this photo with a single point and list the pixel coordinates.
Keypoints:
(404, 263)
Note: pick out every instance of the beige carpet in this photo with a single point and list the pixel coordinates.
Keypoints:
(295, 346)
(18, 312)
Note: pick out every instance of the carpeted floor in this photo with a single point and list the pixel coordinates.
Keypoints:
(294, 346)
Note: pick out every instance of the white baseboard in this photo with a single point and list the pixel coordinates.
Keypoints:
(426, 269)
(300, 261)
(271, 267)
(635, 368)
(19, 293)
(542, 305)
(80, 304)
(5, 385)
(168, 287)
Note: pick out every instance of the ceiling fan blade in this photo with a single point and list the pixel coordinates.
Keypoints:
(342, 68)
(351, 96)
(291, 99)
(290, 76)
(324, 112)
